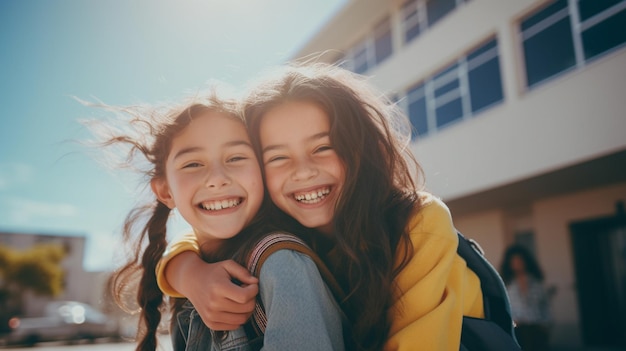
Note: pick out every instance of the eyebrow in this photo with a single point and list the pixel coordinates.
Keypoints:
(308, 139)
(229, 144)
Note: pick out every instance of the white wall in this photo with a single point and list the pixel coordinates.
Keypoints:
(552, 218)
(488, 229)
(571, 119)
(568, 119)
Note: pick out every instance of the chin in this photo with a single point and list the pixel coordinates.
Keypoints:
(319, 225)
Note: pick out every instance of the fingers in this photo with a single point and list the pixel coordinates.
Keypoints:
(225, 320)
(240, 295)
(221, 303)
(226, 305)
(225, 314)
(241, 288)
(242, 303)
(239, 273)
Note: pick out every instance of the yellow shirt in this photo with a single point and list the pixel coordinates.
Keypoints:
(187, 242)
(434, 290)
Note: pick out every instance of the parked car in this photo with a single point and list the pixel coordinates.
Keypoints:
(62, 321)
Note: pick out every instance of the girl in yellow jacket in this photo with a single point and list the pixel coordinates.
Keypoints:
(335, 158)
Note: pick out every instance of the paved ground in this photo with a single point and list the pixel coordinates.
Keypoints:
(164, 345)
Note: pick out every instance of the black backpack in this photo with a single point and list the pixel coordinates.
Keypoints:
(496, 331)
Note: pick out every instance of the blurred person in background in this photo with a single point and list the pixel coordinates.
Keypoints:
(529, 298)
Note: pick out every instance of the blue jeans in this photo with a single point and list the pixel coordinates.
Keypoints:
(198, 337)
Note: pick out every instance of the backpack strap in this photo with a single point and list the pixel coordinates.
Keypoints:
(280, 241)
(495, 302)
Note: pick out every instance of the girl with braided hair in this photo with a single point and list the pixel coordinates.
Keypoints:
(200, 161)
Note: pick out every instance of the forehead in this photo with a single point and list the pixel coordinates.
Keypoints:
(211, 129)
(293, 119)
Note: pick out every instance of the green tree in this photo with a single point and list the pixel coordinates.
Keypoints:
(37, 269)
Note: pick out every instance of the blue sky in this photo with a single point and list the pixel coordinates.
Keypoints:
(120, 52)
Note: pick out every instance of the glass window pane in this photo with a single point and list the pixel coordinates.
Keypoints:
(410, 22)
(412, 32)
(383, 45)
(590, 8)
(416, 92)
(449, 112)
(549, 52)
(605, 35)
(485, 84)
(488, 46)
(360, 60)
(447, 87)
(410, 10)
(543, 14)
(418, 117)
(444, 71)
(437, 9)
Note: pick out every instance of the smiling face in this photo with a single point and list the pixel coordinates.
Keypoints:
(304, 175)
(212, 176)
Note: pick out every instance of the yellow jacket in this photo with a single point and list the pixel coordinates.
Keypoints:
(435, 289)
(433, 292)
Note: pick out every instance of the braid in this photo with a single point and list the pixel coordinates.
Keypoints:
(149, 296)
(148, 132)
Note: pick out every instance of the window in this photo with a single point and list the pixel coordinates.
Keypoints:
(418, 15)
(485, 82)
(548, 43)
(603, 25)
(360, 59)
(471, 84)
(416, 99)
(437, 9)
(412, 20)
(447, 96)
(372, 50)
(565, 34)
(383, 46)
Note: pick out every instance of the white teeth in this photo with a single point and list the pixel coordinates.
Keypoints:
(220, 205)
(312, 197)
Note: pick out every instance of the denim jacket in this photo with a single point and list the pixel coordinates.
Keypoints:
(301, 312)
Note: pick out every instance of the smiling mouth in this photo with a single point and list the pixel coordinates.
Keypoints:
(312, 197)
(220, 204)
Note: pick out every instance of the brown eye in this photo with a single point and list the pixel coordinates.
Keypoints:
(192, 165)
(236, 158)
(275, 158)
(323, 148)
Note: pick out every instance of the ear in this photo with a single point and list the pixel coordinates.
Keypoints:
(161, 189)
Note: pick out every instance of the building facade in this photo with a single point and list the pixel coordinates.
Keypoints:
(518, 110)
(78, 285)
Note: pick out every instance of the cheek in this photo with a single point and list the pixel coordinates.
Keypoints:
(176, 186)
(339, 170)
(250, 179)
(272, 181)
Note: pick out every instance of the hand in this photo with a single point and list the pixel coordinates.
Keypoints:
(221, 303)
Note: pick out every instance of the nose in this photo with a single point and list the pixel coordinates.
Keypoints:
(304, 169)
(217, 178)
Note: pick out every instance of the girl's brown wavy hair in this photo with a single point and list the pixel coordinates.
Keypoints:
(371, 137)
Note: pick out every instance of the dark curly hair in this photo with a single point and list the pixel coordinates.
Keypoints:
(531, 264)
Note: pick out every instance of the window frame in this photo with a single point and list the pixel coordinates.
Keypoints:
(577, 27)
(459, 70)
